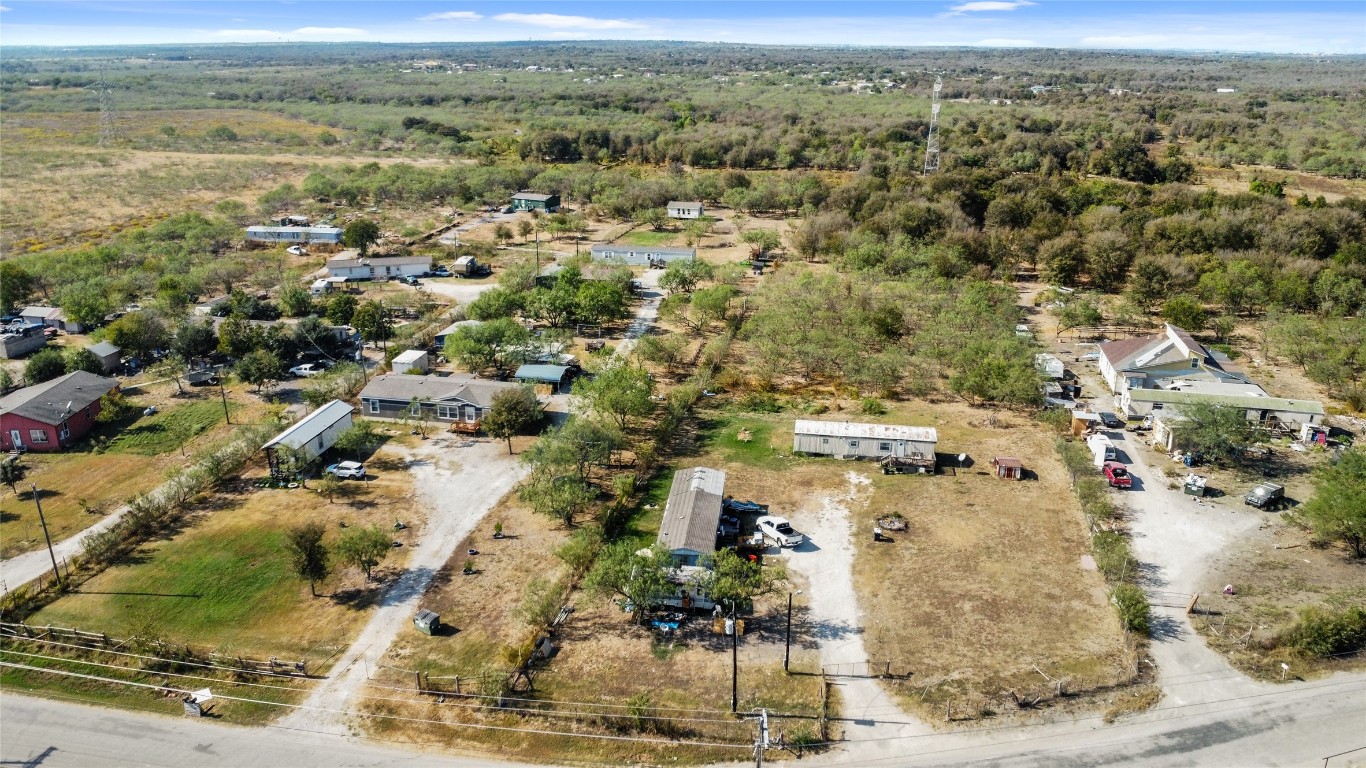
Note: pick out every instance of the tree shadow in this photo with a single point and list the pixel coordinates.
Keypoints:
(1162, 627)
(9, 517)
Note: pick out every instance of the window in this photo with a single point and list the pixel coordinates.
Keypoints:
(415, 409)
(448, 411)
(884, 447)
(1195, 362)
(37, 435)
(374, 406)
(825, 441)
(65, 431)
(853, 443)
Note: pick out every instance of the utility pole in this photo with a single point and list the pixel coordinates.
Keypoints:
(223, 393)
(39, 503)
(734, 662)
(932, 137)
(787, 649)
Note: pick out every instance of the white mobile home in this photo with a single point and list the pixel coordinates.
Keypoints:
(641, 255)
(684, 210)
(294, 234)
(349, 266)
(1050, 366)
(852, 440)
(692, 514)
(313, 434)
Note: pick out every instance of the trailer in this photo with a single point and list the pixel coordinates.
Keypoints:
(1102, 450)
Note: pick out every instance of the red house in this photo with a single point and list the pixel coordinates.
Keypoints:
(52, 415)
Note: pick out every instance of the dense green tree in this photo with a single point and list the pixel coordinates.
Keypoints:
(1337, 511)
(361, 234)
(513, 411)
(734, 581)
(371, 321)
(620, 392)
(499, 344)
(138, 333)
(1221, 433)
(684, 275)
(261, 369)
(561, 497)
(82, 359)
(16, 285)
(364, 547)
(341, 308)
(44, 365)
(296, 301)
(639, 579)
(86, 303)
(1185, 312)
(238, 337)
(194, 339)
(308, 554)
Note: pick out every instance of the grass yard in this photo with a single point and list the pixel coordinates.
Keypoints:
(988, 580)
(650, 237)
(168, 429)
(224, 581)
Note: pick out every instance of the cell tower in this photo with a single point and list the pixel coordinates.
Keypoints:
(932, 141)
(109, 118)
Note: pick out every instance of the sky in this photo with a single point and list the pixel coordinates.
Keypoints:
(1269, 26)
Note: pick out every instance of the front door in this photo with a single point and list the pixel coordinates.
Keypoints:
(15, 441)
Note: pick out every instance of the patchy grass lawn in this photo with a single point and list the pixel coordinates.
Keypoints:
(224, 580)
(650, 237)
(168, 429)
(987, 582)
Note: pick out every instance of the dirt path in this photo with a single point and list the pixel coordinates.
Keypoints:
(459, 480)
(874, 722)
(646, 314)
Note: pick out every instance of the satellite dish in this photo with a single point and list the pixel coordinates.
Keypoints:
(962, 457)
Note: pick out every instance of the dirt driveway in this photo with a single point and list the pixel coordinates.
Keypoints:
(459, 480)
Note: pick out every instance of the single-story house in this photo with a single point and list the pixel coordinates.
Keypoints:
(1008, 468)
(313, 434)
(412, 359)
(299, 235)
(440, 338)
(692, 514)
(684, 209)
(461, 398)
(640, 255)
(350, 266)
(108, 354)
(844, 439)
(52, 415)
(532, 201)
(1259, 407)
(1147, 362)
(52, 317)
(15, 342)
(557, 376)
(1049, 365)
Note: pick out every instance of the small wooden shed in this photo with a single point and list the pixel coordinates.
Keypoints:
(1008, 468)
(427, 622)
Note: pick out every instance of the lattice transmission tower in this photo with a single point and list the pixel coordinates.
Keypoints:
(932, 140)
(109, 116)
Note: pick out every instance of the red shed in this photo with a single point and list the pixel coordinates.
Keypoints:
(52, 415)
(1008, 468)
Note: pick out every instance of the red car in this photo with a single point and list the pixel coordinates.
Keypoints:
(1117, 475)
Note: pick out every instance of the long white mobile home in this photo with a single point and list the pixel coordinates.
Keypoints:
(853, 440)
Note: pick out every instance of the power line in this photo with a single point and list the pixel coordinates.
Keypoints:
(376, 716)
(554, 713)
(153, 658)
(153, 672)
(576, 703)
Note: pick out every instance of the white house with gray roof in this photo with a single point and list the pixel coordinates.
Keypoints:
(461, 398)
(313, 434)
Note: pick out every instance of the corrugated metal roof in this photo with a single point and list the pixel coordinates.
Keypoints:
(693, 511)
(538, 197)
(309, 230)
(410, 356)
(869, 431)
(309, 427)
(1250, 402)
(547, 373)
(103, 349)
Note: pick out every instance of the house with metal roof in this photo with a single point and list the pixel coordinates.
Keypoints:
(52, 415)
(108, 354)
(462, 398)
(1259, 407)
(679, 209)
(350, 266)
(52, 317)
(641, 255)
(557, 376)
(533, 201)
(1146, 362)
(444, 333)
(692, 514)
(313, 434)
(854, 440)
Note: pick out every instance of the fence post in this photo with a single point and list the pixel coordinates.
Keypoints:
(418, 675)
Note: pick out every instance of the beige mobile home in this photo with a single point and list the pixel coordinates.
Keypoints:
(852, 440)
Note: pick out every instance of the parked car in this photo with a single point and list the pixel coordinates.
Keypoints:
(410, 280)
(306, 370)
(1265, 496)
(297, 250)
(1110, 420)
(747, 507)
(1117, 475)
(347, 470)
(779, 530)
(441, 272)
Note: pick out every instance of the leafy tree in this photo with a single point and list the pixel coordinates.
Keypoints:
(1063, 258)
(1221, 433)
(172, 367)
(764, 239)
(595, 302)
(640, 579)
(684, 275)
(503, 233)
(1186, 312)
(1337, 512)
(11, 474)
(44, 365)
(308, 554)
(512, 411)
(360, 234)
(358, 438)
(82, 359)
(1126, 158)
(138, 333)
(554, 305)
(340, 308)
(1149, 282)
(734, 581)
(524, 228)
(495, 303)
(499, 344)
(620, 392)
(667, 350)
(655, 218)
(1132, 604)
(701, 309)
(372, 322)
(221, 133)
(194, 340)
(261, 368)
(364, 548)
(238, 337)
(1078, 313)
(574, 447)
(86, 303)
(296, 301)
(562, 497)
(16, 285)
(330, 485)
(6, 380)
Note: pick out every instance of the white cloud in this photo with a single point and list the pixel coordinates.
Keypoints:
(1005, 42)
(990, 5)
(322, 34)
(556, 21)
(452, 16)
(5, 8)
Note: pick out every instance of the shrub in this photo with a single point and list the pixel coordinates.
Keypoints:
(1112, 556)
(1327, 633)
(871, 406)
(760, 402)
(1132, 605)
